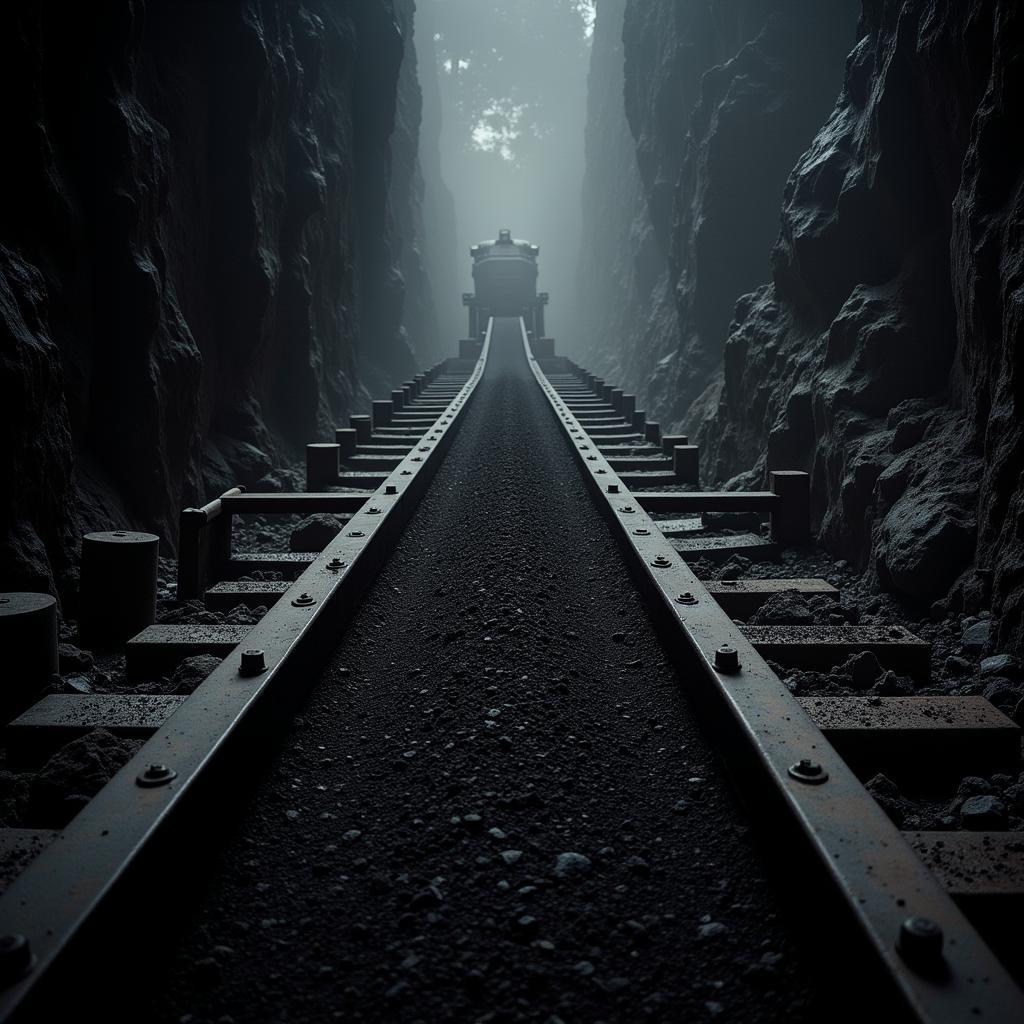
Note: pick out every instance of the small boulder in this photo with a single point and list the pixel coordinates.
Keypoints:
(785, 609)
(1004, 665)
(570, 865)
(315, 532)
(892, 685)
(638, 866)
(889, 798)
(75, 773)
(77, 684)
(925, 541)
(975, 637)
(980, 813)
(863, 669)
(973, 785)
(73, 660)
(191, 672)
(242, 615)
(957, 666)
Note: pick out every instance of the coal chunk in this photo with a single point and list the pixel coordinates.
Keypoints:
(315, 532)
(75, 773)
(979, 813)
(785, 609)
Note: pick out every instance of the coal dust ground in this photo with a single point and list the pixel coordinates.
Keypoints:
(496, 805)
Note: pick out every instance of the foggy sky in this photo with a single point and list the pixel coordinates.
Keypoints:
(511, 77)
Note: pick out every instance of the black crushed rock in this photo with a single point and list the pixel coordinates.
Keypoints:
(73, 659)
(315, 532)
(74, 774)
(484, 813)
(191, 672)
(785, 609)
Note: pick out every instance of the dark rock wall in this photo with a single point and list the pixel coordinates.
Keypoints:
(682, 193)
(882, 354)
(202, 251)
(882, 357)
(419, 324)
(446, 265)
(625, 319)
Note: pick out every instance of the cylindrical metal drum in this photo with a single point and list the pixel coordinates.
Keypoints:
(28, 633)
(117, 594)
(322, 466)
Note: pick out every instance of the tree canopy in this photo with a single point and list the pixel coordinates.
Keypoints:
(507, 68)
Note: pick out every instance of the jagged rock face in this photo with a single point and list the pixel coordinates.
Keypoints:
(625, 317)
(439, 250)
(987, 273)
(199, 264)
(883, 355)
(419, 323)
(720, 99)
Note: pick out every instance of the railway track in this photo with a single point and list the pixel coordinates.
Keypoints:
(77, 880)
(798, 754)
(806, 759)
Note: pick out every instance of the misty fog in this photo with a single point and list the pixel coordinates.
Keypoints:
(505, 81)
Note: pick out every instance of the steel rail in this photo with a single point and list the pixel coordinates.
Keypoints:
(61, 892)
(885, 887)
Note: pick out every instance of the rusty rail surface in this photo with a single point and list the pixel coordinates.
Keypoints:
(915, 933)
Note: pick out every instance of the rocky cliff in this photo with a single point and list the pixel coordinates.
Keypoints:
(697, 112)
(203, 252)
(881, 355)
(625, 319)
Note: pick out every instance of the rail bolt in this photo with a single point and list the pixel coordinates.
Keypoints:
(336, 563)
(920, 942)
(303, 601)
(613, 488)
(155, 775)
(390, 489)
(16, 958)
(806, 770)
(687, 598)
(727, 659)
(252, 663)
